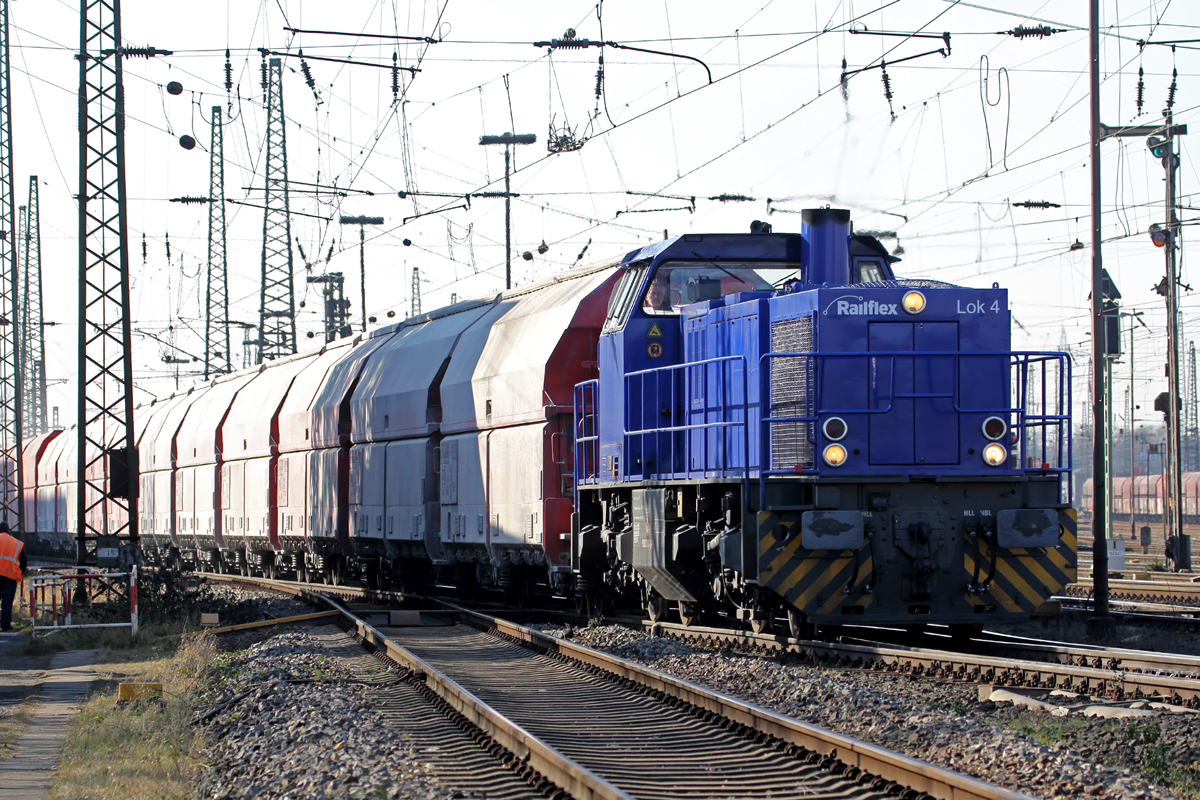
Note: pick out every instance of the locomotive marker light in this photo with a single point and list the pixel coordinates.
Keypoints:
(994, 455)
(914, 302)
(834, 455)
(994, 428)
(834, 429)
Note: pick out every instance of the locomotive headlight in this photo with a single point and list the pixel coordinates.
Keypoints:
(834, 429)
(834, 455)
(914, 302)
(994, 428)
(994, 455)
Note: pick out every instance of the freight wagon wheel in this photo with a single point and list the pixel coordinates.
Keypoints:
(688, 613)
(656, 607)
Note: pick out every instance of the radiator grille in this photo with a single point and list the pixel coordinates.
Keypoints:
(791, 442)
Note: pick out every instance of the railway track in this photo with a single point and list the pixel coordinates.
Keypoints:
(1002, 661)
(1175, 594)
(1064, 667)
(598, 726)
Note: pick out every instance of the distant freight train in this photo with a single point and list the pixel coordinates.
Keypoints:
(1147, 497)
(760, 426)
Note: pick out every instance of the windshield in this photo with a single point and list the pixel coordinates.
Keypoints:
(677, 283)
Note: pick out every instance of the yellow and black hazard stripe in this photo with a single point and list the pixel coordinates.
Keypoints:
(1023, 579)
(814, 581)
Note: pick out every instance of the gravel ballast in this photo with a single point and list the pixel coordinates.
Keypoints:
(288, 720)
(1029, 750)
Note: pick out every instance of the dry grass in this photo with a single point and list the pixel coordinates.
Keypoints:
(142, 750)
(13, 722)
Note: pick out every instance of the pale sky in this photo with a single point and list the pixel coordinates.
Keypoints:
(998, 120)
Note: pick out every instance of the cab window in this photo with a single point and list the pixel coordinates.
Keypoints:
(676, 284)
(621, 299)
(870, 270)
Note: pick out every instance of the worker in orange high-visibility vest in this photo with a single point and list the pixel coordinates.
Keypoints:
(13, 567)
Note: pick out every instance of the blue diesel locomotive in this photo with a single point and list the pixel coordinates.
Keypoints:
(782, 428)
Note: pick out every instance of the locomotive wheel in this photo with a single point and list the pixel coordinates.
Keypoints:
(688, 613)
(656, 608)
(798, 626)
(762, 625)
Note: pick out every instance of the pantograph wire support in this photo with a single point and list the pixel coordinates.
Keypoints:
(570, 42)
(33, 338)
(217, 359)
(277, 304)
(944, 52)
(107, 512)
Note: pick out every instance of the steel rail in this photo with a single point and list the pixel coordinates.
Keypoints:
(854, 756)
(974, 668)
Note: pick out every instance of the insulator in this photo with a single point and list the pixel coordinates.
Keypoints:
(1040, 31)
(600, 76)
(329, 255)
(845, 87)
(1171, 88)
(143, 52)
(1037, 204)
(300, 247)
(264, 73)
(168, 241)
(1141, 90)
(144, 256)
(308, 78)
(395, 76)
(887, 85)
(228, 73)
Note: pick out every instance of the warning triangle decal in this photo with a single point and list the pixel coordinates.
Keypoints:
(655, 332)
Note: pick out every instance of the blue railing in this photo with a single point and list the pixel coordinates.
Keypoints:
(587, 436)
(701, 455)
(707, 435)
(1043, 457)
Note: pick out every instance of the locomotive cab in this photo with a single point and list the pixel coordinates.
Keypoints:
(783, 428)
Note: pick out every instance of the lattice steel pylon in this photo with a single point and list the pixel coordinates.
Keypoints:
(11, 473)
(217, 360)
(337, 309)
(276, 308)
(416, 292)
(34, 408)
(107, 511)
(1191, 415)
